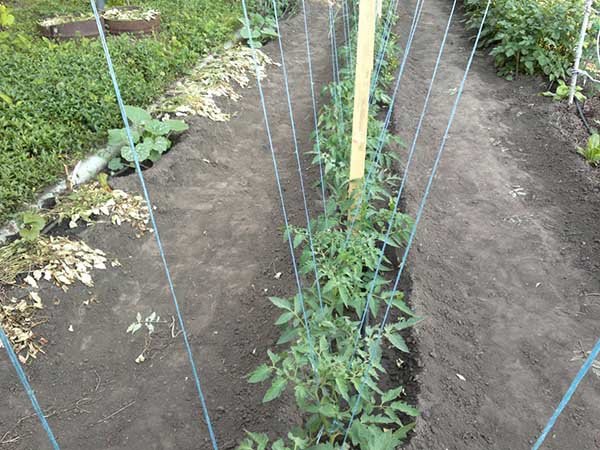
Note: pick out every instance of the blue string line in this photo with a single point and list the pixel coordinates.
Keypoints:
(404, 176)
(417, 220)
(30, 393)
(388, 118)
(387, 31)
(336, 75)
(297, 151)
(347, 34)
(154, 226)
(312, 358)
(565, 400)
(314, 105)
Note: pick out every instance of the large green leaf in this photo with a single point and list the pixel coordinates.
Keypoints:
(282, 303)
(405, 408)
(157, 128)
(398, 341)
(161, 144)
(288, 336)
(392, 394)
(118, 137)
(275, 390)
(328, 410)
(261, 373)
(137, 115)
(143, 150)
(176, 125)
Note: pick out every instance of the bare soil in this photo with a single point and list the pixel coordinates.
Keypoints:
(507, 282)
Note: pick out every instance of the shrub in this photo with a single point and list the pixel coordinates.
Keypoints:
(531, 36)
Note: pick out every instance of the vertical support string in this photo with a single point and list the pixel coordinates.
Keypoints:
(417, 220)
(30, 393)
(155, 227)
(314, 107)
(402, 183)
(312, 356)
(388, 118)
(297, 152)
(336, 74)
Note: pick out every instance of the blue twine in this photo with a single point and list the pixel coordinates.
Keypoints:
(347, 34)
(386, 32)
(297, 152)
(313, 360)
(314, 106)
(154, 225)
(30, 393)
(336, 75)
(417, 220)
(404, 176)
(565, 400)
(388, 118)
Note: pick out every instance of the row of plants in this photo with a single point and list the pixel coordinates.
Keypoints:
(533, 36)
(56, 99)
(324, 370)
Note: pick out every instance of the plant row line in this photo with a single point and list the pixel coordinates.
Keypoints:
(327, 368)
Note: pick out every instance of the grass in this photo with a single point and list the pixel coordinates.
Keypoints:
(57, 101)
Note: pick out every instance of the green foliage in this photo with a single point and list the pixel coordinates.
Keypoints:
(325, 388)
(57, 100)
(150, 137)
(531, 36)
(562, 92)
(263, 29)
(6, 18)
(285, 8)
(31, 225)
(591, 152)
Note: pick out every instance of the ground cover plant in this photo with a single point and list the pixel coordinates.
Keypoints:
(56, 99)
(150, 137)
(325, 354)
(533, 37)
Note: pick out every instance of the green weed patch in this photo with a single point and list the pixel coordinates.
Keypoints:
(56, 99)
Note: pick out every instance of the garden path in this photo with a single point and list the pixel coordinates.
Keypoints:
(500, 277)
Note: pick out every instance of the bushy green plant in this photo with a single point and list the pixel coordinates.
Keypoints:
(6, 18)
(285, 8)
(150, 136)
(591, 152)
(531, 36)
(562, 92)
(31, 225)
(262, 28)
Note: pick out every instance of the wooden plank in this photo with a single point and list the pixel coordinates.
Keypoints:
(362, 83)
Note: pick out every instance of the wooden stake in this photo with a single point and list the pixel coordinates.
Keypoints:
(362, 84)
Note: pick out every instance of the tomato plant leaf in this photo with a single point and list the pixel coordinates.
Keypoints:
(261, 373)
(275, 390)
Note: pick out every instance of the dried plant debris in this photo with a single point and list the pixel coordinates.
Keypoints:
(18, 318)
(130, 14)
(57, 259)
(92, 200)
(67, 18)
(213, 78)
